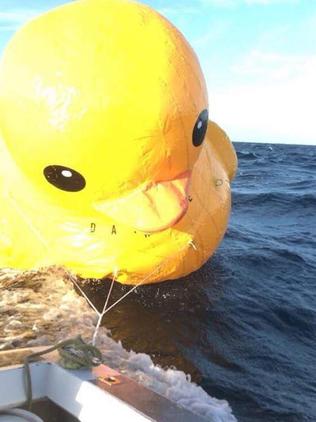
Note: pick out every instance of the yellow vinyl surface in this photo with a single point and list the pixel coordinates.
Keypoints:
(105, 167)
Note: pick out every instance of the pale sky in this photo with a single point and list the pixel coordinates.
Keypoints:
(258, 56)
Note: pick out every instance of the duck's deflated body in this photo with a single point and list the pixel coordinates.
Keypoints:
(108, 161)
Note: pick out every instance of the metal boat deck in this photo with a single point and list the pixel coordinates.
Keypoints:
(95, 395)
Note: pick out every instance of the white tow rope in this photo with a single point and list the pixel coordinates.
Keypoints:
(106, 309)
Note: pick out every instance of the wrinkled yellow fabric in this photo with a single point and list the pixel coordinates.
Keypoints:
(112, 90)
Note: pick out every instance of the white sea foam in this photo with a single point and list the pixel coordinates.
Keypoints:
(39, 308)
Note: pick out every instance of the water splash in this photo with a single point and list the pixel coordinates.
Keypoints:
(43, 307)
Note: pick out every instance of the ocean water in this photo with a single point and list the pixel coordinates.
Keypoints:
(243, 327)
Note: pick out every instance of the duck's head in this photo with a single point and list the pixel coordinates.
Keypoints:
(103, 106)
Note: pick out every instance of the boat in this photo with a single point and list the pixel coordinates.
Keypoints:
(87, 395)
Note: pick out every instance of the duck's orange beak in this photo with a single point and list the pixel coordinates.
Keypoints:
(152, 208)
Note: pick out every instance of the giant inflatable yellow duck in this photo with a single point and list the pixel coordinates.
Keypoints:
(108, 161)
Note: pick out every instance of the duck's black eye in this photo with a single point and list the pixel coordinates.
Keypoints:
(200, 128)
(64, 178)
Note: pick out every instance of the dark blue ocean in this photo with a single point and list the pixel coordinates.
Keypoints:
(244, 326)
